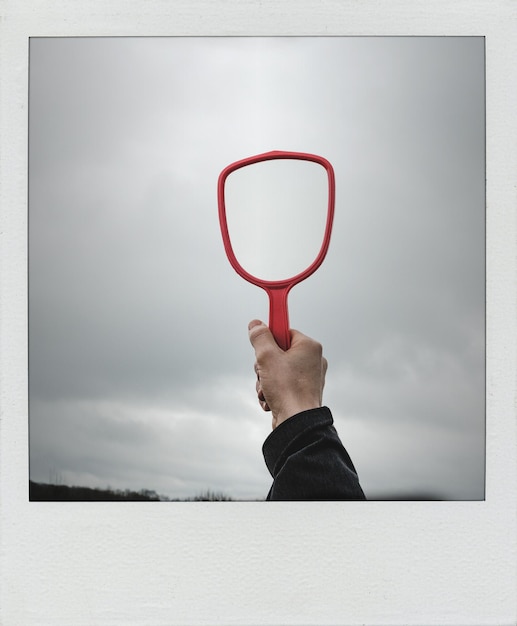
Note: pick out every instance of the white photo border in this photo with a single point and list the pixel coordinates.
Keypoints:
(354, 563)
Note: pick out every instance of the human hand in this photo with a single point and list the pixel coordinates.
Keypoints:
(287, 382)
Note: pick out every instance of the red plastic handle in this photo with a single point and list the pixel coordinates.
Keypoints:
(279, 316)
(277, 289)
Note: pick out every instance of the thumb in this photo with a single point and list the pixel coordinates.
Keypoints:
(260, 336)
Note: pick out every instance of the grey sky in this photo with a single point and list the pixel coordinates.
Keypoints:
(141, 375)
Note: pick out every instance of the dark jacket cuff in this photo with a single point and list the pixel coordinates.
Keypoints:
(285, 435)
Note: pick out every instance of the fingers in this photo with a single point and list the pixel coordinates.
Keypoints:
(262, 341)
(260, 394)
(264, 405)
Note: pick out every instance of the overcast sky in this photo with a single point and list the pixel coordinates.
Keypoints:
(141, 374)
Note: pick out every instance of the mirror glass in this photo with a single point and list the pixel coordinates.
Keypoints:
(276, 212)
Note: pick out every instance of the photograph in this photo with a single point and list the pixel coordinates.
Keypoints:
(145, 380)
(257, 313)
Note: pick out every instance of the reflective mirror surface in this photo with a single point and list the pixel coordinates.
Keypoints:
(276, 212)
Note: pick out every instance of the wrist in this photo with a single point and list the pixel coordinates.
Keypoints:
(293, 408)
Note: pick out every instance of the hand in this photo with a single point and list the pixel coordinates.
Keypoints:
(287, 382)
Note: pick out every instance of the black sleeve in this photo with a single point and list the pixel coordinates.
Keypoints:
(307, 460)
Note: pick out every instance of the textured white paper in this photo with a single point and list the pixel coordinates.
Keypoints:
(247, 563)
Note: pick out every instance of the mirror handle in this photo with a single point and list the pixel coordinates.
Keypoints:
(279, 316)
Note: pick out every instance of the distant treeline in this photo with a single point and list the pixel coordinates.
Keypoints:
(61, 493)
(53, 493)
(39, 492)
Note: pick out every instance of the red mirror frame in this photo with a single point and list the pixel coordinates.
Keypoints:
(277, 289)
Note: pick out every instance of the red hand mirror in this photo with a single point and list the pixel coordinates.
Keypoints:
(287, 233)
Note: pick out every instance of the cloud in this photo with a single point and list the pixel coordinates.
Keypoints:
(179, 449)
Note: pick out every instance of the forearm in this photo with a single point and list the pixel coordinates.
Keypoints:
(308, 461)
